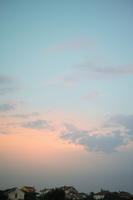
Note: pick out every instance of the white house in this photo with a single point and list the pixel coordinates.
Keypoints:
(71, 193)
(15, 194)
(100, 195)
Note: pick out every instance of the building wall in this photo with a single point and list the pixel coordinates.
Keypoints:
(16, 195)
(98, 197)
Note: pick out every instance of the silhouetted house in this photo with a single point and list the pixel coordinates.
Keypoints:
(44, 193)
(100, 195)
(71, 193)
(84, 196)
(29, 193)
(125, 195)
(14, 194)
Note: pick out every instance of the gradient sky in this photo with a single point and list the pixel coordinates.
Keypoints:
(66, 77)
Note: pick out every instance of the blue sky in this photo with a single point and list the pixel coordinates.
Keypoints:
(68, 62)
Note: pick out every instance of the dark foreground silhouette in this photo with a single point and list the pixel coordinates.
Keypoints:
(62, 193)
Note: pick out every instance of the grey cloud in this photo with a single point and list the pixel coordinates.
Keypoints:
(7, 84)
(74, 136)
(125, 121)
(38, 124)
(106, 144)
(70, 127)
(6, 107)
(90, 71)
(25, 115)
(99, 143)
(4, 132)
(106, 69)
(7, 90)
(97, 71)
(73, 133)
(4, 79)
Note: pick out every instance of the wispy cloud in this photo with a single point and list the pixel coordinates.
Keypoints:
(6, 107)
(100, 71)
(69, 45)
(4, 132)
(7, 90)
(90, 71)
(37, 124)
(23, 116)
(92, 95)
(105, 69)
(64, 80)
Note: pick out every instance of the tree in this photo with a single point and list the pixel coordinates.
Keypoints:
(55, 194)
(2, 195)
(30, 196)
(112, 196)
(91, 196)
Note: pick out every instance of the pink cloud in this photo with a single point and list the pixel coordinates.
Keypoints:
(93, 94)
(70, 45)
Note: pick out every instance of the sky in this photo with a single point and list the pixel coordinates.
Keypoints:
(66, 77)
